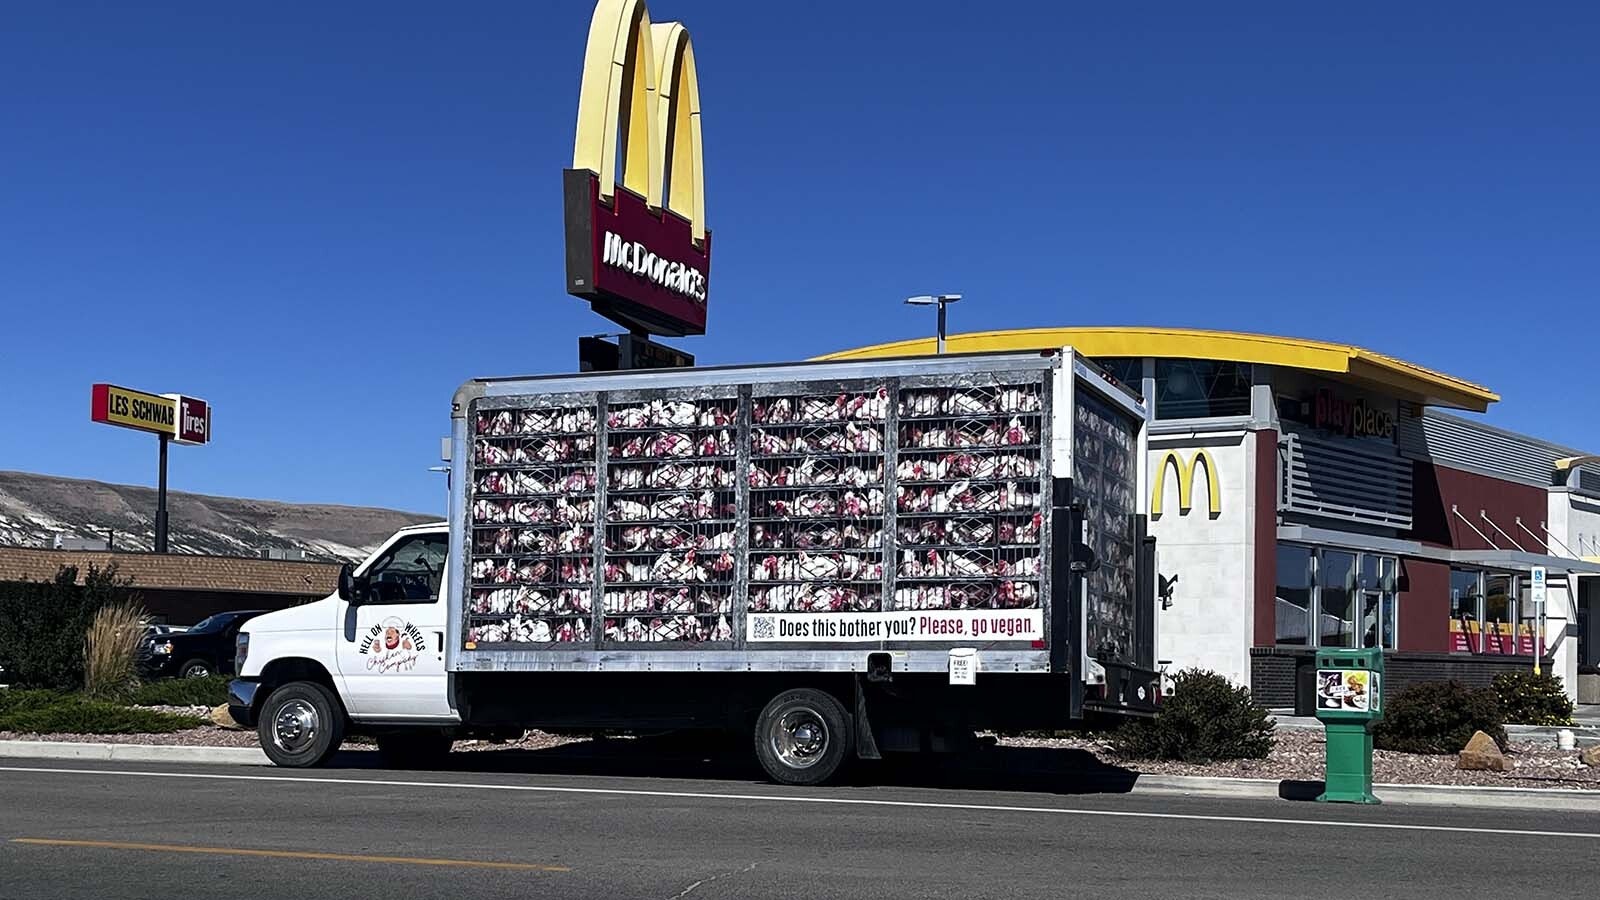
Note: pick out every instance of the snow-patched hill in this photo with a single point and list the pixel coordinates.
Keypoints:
(35, 508)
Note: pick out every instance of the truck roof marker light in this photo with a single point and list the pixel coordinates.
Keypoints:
(471, 645)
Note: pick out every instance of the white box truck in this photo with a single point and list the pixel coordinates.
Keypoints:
(837, 559)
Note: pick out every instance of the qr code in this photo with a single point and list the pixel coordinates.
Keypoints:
(762, 629)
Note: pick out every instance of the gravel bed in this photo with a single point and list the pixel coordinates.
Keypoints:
(206, 736)
(1299, 756)
(212, 736)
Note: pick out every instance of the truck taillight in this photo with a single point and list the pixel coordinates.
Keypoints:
(241, 650)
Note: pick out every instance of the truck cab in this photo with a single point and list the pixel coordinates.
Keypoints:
(368, 657)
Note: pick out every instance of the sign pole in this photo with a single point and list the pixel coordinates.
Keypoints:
(161, 498)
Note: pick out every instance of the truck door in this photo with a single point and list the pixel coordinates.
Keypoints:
(391, 647)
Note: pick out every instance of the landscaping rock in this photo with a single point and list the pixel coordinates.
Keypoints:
(221, 719)
(1590, 757)
(1482, 754)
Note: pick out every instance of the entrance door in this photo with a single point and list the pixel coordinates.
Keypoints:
(391, 651)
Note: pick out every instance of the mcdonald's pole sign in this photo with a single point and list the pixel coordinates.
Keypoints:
(1186, 473)
(638, 251)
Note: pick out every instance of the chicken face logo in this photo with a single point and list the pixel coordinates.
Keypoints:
(393, 645)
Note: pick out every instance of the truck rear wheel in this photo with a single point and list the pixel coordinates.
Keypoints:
(414, 751)
(802, 737)
(301, 725)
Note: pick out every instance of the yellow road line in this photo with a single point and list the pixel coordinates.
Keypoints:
(292, 854)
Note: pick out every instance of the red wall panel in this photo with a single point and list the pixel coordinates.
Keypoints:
(1436, 488)
(1424, 609)
(1266, 537)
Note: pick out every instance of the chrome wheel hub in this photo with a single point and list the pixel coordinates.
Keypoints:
(799, 737)
(296, 726)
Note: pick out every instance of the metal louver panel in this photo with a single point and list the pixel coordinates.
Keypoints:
(1449, 441)
(1345, 480)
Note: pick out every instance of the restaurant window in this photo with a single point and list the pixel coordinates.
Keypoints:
(1293, 605)
(1336, 598)
(1466, 610)
(1129, 370)
(1201, 388)
(1484, 614)
(1499, 615)
(1336, 575)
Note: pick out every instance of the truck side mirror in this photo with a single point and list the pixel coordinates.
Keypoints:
(1083, 560)
(347, 585)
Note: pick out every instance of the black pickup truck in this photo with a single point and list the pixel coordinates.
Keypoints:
(204, 649)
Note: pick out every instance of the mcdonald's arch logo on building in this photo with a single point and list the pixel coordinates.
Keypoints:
(1186, 475)
(639, 250)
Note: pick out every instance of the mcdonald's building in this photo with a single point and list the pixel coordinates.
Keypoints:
(1309, 494)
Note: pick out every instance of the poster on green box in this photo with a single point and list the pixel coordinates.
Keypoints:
(1348, 690)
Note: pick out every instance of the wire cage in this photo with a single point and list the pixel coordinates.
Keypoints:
(817, 505)
(531, 521)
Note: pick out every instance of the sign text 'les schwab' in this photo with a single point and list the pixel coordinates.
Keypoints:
(907, 625)
(112, 405)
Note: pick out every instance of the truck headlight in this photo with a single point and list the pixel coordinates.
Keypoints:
(162, 649)
(241, 650)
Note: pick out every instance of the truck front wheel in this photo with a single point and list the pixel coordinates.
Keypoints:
(301, 725)
(802, 737)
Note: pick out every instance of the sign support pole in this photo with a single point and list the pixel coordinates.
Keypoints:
(161, 498)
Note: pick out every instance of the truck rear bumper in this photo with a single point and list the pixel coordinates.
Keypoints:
(241, 702)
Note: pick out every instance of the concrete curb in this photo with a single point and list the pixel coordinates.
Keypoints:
(1543, 799)
(236, 756)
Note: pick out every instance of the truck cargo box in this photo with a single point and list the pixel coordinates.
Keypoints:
(824, 516)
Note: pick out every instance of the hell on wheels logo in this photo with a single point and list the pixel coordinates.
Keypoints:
(393, 645)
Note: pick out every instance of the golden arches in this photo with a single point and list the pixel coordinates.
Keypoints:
(1186, 475)
(649, 71)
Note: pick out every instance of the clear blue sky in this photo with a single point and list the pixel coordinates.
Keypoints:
(323, 217)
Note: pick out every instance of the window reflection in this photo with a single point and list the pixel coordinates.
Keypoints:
(1201, 388)
(1336, 584)
(1294, 595)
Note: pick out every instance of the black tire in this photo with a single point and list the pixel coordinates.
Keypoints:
(301, 725)
(803, 737)
(419, 750)
(195, 668)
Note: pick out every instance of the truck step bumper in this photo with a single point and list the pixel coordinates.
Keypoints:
(241, 702)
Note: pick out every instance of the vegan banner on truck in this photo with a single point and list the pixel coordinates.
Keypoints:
(907, 625)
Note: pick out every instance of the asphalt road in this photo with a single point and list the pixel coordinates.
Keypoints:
(568, 826)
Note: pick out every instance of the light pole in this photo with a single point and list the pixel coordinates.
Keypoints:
(939, 300)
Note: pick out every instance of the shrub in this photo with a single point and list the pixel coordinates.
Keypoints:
(54, 712)
(1438, 717)
(210, 691)
(1206, 718)
(111, 651)
(1529, 699)
(42, 625)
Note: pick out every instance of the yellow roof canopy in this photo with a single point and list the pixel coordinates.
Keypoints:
(1396, 377)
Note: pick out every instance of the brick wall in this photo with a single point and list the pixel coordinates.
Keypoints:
(1273, 672)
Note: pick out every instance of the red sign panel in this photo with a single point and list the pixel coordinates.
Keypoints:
(194, 421)
(638, 267)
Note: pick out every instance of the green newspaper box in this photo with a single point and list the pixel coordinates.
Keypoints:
(1349, 689)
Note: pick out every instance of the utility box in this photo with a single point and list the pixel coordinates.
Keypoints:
(1349, 690)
